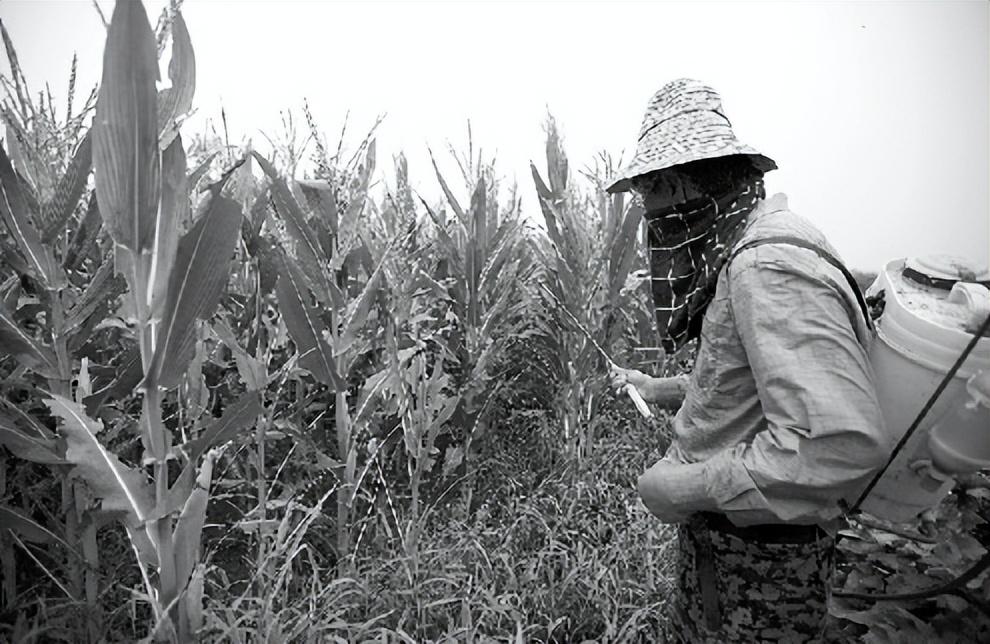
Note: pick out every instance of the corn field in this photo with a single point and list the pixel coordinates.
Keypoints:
(239, 404)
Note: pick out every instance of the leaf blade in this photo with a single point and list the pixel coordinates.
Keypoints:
(15, 521)
(24, 348)
(125, 130)
(13, 212)
(251, 369)
(197, 281)
(304, 325)
(307, 245)
(235, 417)
(176, 100)
(37, 448)
(173, 210)
(189, 527)
(69, 190)
(122, 490)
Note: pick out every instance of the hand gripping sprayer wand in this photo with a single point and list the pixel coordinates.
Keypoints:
(629, 388)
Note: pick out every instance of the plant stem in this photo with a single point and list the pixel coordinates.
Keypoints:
(157, 441)
(91, 555)
(7, 562)
(262, 487)
(167, 581)
(342, 425)
(82, 578)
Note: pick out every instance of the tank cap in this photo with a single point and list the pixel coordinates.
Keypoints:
(943, 271)
(978, 386)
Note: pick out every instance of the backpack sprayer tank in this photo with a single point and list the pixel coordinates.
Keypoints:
(931, 308)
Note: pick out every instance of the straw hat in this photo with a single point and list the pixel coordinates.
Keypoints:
(684, 122)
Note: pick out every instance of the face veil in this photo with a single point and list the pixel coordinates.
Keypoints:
(689, 242)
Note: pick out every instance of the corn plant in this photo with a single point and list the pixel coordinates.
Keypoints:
(325, 306)
(483, 264)
(173, 281)
(587, 260)
(53, 293)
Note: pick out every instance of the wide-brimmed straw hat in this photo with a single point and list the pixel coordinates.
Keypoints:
(684, 122)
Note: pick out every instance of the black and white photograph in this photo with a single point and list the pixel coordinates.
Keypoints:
(457, 321)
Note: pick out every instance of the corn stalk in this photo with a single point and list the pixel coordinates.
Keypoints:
(43, 176)
(587, 260)
(483, 268)
(325, 305)
(174, 281)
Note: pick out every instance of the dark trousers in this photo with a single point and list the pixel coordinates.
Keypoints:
(754, 584)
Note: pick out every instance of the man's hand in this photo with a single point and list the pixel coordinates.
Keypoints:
(620, 377)
(668, 392)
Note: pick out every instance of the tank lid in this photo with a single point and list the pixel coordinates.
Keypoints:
(942, 271)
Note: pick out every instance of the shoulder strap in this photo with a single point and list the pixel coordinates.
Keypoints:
(828, 257)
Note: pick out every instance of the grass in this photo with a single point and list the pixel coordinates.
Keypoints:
(562, 555)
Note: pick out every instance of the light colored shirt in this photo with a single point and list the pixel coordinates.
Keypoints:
(780, 419)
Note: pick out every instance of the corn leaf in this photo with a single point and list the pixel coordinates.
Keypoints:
(304, 325)
(24, 348)
(200, 170)
(193, 598)
(37, 446)
(14, 213)
(358, 314)
(85, 235)
(129, 375)
(31, 530)
(12, 258)
(101, 290)
(550, 214)
(306, 245)
(450, 195)
(125, 130)
(556, 160)
(69, 191)
(267, 255)
(253, 224)
(20, 85)
(494, 275)
(623, 252)
(176, 100)
(235, 418)
(197, 281)
(123, 491)
(320, 199)
(25, 526)
(189, 527)
(174, 209)
(479, 217)
(251, 370)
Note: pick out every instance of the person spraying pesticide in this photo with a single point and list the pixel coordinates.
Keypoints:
(779, 424)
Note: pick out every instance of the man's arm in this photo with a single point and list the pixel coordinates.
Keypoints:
(667, 392)
(824, 434)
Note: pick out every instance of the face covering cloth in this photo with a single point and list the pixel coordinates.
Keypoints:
(689, 242)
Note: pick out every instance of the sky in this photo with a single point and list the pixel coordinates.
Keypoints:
(877, 113)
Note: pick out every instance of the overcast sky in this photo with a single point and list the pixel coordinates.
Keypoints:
(876, 112)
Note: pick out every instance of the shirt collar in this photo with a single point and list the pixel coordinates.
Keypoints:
(773, 203)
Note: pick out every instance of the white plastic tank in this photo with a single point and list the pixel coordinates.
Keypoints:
(932, 307)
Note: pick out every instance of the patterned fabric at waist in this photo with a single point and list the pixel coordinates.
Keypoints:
(764, 533)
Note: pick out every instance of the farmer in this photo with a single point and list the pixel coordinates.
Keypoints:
(779, 425)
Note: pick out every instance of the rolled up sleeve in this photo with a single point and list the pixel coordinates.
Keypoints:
(824, 435)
